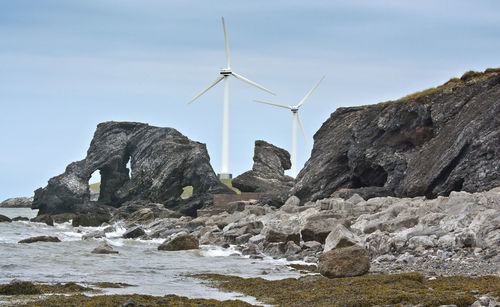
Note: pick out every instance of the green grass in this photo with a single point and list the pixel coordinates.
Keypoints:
(229, 183)
(95, 187)
(451, 85)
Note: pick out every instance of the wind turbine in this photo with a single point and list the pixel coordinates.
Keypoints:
(295, 120)
(225, 73)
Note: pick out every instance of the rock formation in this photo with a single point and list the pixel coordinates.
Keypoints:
(162, 160)
(426, 144)
(17, 202)
(268, 171)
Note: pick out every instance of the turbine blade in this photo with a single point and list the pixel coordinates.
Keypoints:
(302, 129)
(228, 55)
(251, 83)
(209, 87)
(273, 103)
(310, 92)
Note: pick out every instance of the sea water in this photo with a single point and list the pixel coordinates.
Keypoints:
(138, 263)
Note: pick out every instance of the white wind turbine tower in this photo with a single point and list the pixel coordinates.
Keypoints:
(225, 73)
(295, 120)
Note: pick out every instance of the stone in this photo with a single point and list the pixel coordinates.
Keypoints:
(250, 249)
(275, 235)
(268, 171)
(292, 201)
(180, 241)
(312, 245)
(162, 160)
(94, 235)
(340, 237)
(355, 199)
(257, 239)
(44, 218)
(40, 239)
(318, 230)
(19, 218)
(420, 241)
(344, 262)
(291, 248)
(134, 232)
(4, 218)
(104, 248)
(129, 303)
(17, 202)
(237, 206)
(429, 144)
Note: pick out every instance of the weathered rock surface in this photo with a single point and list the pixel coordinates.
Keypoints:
(162, 160)
(180, 241)
(104, 248)
(340, 237)
(344, 262)
(268, 171)
(40, 239)
(17, 202)
(443, 140)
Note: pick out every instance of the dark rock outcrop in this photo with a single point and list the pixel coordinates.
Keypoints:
(268, 171)
(43, 218)
(162, 160)
(134, 232)
(17, 202)
(40, 239)
(429, 143)
(4, 218)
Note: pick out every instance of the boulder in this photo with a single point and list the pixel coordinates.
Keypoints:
(344, 262)
(19, 218)
(94, 235)
(339, 237)
(17, 202)
(91, 215)
(44, 218)
(134, 232)
(3, 218)
(427, 144)
(318, 229)
(180, 241)
(281, 235)
(40, 239)
(104, 248)
(162, 160)
(268, 171)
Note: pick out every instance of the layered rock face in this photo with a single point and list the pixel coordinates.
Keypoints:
(162, 161)
(268, 171)
(427, 144)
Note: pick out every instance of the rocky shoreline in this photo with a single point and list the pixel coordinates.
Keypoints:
(455, 235)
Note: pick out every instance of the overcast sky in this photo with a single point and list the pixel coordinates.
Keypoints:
(66, 66)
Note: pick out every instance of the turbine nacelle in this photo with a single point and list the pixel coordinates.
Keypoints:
(224, 75)
(226, 72)
(295, 120)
